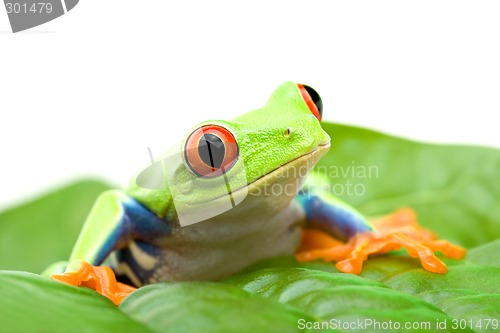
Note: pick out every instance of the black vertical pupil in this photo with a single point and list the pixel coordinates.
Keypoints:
(315, 98)
(211, 150)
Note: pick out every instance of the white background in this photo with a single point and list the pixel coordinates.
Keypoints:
(86, 94)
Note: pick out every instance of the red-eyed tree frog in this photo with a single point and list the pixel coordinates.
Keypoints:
(138, 234)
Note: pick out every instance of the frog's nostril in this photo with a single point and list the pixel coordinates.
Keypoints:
(312, 99)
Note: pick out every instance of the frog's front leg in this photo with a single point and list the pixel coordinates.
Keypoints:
(328, 216)
(114, 221)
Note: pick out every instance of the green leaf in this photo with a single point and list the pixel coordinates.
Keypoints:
(455, 190)
(41, 232)
(486, 254)
(341, 297)
(209, 307)
(30, 303)
(469, 291)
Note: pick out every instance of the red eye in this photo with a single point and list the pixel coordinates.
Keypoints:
(312, 99)
(210, 151)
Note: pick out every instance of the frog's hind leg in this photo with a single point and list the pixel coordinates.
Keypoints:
(331, 217)
(330, 222)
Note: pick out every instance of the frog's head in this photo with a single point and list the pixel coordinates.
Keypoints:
(276, 144)
(263, 152)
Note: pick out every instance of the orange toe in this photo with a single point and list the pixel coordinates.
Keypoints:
(350, 266)
(450, 250)
(434, 265)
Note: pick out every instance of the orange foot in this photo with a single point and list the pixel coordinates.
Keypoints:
(394, 231)
(99, 278)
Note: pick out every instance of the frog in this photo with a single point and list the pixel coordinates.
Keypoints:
(251, 193)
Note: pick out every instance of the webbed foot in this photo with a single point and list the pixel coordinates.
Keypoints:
(99, 278)
(393, 232)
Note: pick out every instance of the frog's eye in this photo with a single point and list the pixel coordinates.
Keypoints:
(210, 151)
(312, 99)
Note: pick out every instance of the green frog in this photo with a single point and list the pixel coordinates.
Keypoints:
(233, 193)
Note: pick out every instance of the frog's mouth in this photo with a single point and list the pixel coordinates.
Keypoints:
(296, 168)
